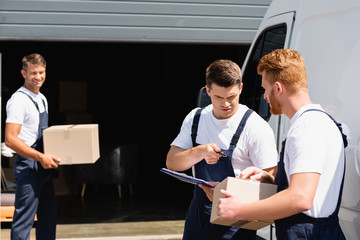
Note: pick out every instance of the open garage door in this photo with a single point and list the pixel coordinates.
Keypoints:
(137, 93)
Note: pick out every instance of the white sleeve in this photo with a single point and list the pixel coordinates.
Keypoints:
(16, 109)
(262, 149)
(306, 149)
(183, 139)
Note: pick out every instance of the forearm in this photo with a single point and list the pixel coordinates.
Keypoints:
(280, 205)
(295, 199)
(21, 148)
(179, 159)
(13, 141)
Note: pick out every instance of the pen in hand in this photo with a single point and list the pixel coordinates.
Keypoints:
(222, 154)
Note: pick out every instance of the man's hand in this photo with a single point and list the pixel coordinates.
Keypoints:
(179, 159)
(13, 141)
(49, 161)
(254, 173)
(229, 208)
(211, 153)
(209, 191)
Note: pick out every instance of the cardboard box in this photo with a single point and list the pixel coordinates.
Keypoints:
(73, 144)
(246, 191)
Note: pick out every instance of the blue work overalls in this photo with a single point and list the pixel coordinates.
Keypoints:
(302, 226)
(34, 192)
(197, 224)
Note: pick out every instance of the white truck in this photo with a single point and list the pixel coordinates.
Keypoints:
(325, 32)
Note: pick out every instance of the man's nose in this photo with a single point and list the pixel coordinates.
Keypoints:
(226, 103)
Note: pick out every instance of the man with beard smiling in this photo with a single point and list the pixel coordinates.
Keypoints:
(218, 141)
(27, 117)
(310, 172)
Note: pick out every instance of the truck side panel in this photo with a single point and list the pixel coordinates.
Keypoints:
(331, 48)
(156, 21)
(324, 33)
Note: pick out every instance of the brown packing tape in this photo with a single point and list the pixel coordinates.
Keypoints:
(67, 132)
(66, 135)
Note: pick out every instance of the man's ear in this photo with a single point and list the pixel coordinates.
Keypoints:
(241, 87)
(279, 88)
(23, 73)
(207, 90)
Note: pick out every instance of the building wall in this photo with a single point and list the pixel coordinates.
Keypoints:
(215, 21)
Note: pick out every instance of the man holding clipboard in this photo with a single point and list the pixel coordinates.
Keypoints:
(218, 141)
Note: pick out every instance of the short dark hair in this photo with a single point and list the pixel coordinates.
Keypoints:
(223, 73)
(33, 58)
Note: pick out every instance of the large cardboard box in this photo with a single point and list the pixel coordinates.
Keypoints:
(246, 191)
(73, 144)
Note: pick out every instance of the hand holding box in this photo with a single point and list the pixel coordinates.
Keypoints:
(73, 144)
(246, 191)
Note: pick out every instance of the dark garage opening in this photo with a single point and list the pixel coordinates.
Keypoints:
(137, 92)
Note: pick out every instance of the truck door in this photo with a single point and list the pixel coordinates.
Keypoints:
(274, 33)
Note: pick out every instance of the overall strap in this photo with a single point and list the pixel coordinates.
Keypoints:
(339, 125)
(235, 137)
(36, 105)
(43, 123)
(281, 181)
(280, 178)
(240, 128)
(345, 145)
(195, 125)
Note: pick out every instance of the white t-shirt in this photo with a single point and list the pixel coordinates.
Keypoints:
(21, 110)
(314, 144)
(256, 145)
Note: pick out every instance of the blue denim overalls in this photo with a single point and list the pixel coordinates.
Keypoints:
(34, 192)
(301, 226)
(197, 224)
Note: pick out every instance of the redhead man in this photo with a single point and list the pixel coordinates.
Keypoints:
(310, 171)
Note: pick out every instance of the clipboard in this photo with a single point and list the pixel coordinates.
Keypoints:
(185, 178)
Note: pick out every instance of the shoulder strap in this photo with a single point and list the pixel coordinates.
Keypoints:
(240, 128)
(280, 177)
(344, 137)
(35, 103)
(235, 137)
(195, 125)
(345, 145)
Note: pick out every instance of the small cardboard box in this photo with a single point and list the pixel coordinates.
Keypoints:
(246, 191)
(73, 144)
